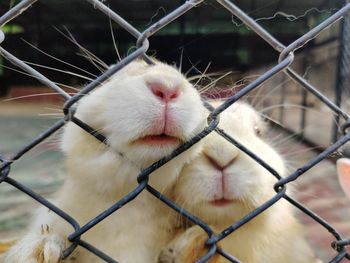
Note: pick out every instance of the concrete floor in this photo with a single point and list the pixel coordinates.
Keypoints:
(40, 169)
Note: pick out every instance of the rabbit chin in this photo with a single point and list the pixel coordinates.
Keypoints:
(146, 154)
(221, 213)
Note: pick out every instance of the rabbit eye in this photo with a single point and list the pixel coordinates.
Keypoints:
(257, 130)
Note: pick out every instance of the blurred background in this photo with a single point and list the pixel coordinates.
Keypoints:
(207, 39)
(71, 43)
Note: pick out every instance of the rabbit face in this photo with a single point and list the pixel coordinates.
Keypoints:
(145, 111)
(224, 182)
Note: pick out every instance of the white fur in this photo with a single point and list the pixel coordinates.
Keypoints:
(124, 109)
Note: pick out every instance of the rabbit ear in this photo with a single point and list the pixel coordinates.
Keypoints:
(343, 167)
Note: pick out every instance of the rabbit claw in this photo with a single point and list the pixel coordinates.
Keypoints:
(187, 247)
(43, 248)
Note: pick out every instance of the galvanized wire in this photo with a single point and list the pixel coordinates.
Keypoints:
(286, 57)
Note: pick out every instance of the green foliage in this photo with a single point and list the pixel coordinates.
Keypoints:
(12, 29)
(9, 29)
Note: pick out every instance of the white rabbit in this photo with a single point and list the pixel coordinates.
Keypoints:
(224, 184)
(145, 112)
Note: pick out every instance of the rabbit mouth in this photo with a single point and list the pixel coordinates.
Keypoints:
(221, 202)
(158, 139)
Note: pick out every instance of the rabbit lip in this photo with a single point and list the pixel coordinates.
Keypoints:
(221, 202)
(159, 139)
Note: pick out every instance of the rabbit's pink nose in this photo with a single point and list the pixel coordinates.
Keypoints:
(164, 93)
(218, 164)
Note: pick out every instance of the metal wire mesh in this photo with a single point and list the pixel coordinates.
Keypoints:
(342, 66)
(286, 56)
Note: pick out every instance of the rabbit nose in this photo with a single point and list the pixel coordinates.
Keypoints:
(219, 165)
(164, 93)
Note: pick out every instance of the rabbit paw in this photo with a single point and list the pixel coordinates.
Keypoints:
(187, 247)
(45, 247)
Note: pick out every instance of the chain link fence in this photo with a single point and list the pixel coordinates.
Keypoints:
(286, 57)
